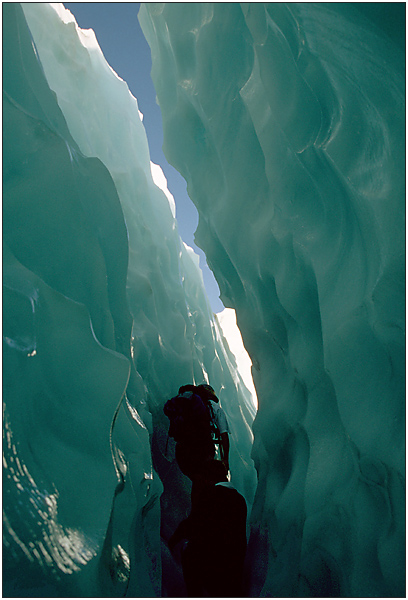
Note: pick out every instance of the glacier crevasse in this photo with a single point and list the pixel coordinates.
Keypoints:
(287, 123)
(291, 119)
(100, 296)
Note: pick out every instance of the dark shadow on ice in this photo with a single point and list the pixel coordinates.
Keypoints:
(212, 540)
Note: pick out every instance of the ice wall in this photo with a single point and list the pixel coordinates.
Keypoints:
(105, 316)
(287, 121)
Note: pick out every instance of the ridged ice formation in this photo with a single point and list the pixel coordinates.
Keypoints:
(100, 296)
(287, 121)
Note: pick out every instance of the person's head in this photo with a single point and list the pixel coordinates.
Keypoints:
(207, 392)
(213, 471)
(189, 387)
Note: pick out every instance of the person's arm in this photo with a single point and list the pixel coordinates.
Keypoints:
(225, 445)
(222, 424)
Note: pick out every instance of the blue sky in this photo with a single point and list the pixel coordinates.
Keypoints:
(120, 37)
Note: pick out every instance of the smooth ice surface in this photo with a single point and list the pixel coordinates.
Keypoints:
(228, 321)
(287, 122)
(105, 316)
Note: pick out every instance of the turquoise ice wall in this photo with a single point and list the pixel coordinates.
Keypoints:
(105, 316)
(287, 121)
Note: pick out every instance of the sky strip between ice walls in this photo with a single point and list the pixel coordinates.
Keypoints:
(287, 122)
(105, 316)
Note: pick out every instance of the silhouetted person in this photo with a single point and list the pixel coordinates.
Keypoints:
(213, 558)
(197, 424)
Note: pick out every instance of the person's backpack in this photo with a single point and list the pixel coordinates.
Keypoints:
(191, 417)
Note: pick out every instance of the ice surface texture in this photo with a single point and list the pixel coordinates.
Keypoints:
(287, 121)
(100, 297)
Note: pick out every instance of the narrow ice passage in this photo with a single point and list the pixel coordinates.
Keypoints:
(287, 123)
